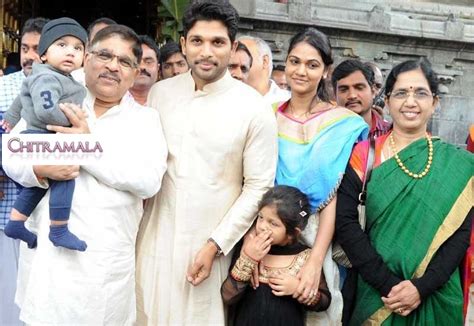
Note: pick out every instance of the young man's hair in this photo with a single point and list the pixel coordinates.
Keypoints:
(101, 20)
(241, 47)
(168, 50)
(348, 67)
(34, 25)
(125, 33)
(148, 41)
(209, 10)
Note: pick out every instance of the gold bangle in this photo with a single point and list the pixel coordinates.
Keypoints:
(243, 268)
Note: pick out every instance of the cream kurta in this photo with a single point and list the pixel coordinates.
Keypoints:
(222, 144)
(57, 286)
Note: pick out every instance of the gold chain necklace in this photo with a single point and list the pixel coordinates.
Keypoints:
(310, 112)
(403, 167)
(293, 112)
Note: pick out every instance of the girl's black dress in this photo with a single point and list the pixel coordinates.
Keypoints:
(261, 307)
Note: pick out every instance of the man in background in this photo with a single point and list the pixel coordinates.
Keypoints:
(353, 82)
(172, 61)
(378, 76)
(279, 77)
(148, 70)
(262, 65)
(97, 25)
(240, 63)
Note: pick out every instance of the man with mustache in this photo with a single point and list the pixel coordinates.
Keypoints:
(149, 67)
(240, 63)
(353, 83)
(9, 89)
(96, 287)
(222, 158)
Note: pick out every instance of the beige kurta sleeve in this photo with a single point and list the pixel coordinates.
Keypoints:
(259, 167)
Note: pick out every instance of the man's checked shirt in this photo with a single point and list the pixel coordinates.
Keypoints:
(9, 89)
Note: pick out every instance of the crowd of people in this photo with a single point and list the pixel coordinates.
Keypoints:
(244, 183)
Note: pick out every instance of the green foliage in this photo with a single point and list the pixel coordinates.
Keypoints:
(170, 15)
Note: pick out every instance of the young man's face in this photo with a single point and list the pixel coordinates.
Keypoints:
(355, 93)
(207, 48)
(29, 51)
(65, 54)
(176, 64)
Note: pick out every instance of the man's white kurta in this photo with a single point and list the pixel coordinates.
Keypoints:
(222, 144)
(275, 94)
(57, 286)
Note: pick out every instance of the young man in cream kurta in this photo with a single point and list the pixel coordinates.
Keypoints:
(222, 157)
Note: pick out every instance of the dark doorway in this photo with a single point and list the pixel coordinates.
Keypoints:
(137, 14)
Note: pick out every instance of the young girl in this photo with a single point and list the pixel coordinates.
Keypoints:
(283, 214)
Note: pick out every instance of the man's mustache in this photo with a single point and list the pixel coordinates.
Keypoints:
(110, 75)
(27, 63)
(205, 61)
(144, 72)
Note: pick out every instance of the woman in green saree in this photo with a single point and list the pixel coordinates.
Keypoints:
(419, 210)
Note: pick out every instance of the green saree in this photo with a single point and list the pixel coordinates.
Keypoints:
(408, 220)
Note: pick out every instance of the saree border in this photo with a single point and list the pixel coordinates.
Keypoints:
(451, 223)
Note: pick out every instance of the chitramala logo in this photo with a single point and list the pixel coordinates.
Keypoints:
(56, 149)
(16, 145)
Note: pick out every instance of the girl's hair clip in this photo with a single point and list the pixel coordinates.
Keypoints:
(301, 203)
(303, 213)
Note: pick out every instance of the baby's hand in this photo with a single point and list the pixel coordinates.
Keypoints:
(257, 247)
(283, 284)
(6, 126)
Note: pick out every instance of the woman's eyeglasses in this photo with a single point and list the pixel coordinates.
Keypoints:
(419, 94)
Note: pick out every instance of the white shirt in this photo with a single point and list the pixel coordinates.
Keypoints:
(57, 286)
(276, 95)
(79, 76)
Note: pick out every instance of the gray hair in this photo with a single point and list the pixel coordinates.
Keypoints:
(263, 49)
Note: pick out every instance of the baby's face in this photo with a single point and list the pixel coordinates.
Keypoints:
(65, 54)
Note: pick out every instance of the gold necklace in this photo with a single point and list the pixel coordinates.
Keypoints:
(293, 112)
(403, 167)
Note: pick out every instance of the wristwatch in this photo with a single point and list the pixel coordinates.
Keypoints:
(219, 250)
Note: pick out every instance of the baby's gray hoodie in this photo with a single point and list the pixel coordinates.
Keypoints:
(40, 95)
